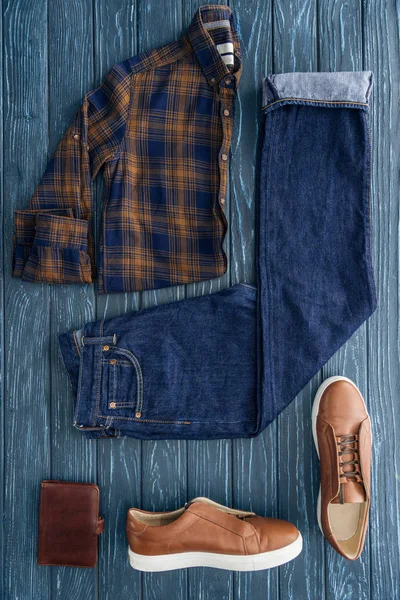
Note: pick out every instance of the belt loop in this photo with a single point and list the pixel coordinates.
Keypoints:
(99, 341)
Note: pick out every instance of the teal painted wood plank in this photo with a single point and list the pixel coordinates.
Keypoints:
(340, 49)
(277, 473)
(164, 465)
(119, 460)
(115, 40)
(210, 462)
(254, 461)
(295, 50)
(72, 457)
(340, 34)
(2, 323)
(164, 470)
(26, 374)
(382, 55)
(210, 475)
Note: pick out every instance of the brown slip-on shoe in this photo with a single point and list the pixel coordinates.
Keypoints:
(206, 534)
(342, 436)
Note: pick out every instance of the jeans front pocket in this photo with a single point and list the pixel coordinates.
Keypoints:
(121, 385)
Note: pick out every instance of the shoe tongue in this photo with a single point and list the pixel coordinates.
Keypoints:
(351, 492)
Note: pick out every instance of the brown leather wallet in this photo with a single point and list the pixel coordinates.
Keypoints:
(69, 524)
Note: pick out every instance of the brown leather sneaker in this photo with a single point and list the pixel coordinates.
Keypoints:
(206, 534)
(342, 436)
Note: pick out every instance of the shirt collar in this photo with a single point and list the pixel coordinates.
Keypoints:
(205, 49)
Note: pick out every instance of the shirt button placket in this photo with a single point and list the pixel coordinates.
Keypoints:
(226, 97)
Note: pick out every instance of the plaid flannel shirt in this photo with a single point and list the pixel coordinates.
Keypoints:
(160, 126)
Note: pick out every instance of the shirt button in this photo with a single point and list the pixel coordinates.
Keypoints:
(222, 200)
(212, 80)
(224, 157)
(228, 81)
(76, 136)
(226, 113)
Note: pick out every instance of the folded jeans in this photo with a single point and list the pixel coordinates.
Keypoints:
(226, 365)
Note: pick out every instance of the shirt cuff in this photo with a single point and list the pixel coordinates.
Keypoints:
(51, 246)
(24, 234)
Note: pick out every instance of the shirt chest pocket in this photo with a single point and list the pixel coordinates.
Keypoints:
(121, 385)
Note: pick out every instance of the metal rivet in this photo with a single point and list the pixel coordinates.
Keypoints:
(224, 157)
(105, 348)
(138, 415)
(76, 136)
(222, 200)
(113, 361)
(112, 405)
(226, 113)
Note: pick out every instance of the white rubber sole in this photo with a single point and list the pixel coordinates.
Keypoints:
(183, 560)
(314, 415)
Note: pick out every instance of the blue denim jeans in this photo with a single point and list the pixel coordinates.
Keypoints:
(225, 365)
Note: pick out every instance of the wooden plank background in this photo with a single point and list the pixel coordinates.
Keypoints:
(52, 52)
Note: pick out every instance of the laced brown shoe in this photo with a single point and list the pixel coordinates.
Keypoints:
(206, 534)
(342, 436)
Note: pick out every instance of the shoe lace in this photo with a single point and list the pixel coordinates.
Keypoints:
(348, 446)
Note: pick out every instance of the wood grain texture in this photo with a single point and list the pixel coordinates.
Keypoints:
(119, 462)
(254, 461)
(2, 317)
(72, 457)
(53, 52)
(27, 323)
(210, 462)
(164, 465)
(381, 54)
(340, 45)
(295, 49)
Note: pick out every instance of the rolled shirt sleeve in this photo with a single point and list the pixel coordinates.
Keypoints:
(53, 241)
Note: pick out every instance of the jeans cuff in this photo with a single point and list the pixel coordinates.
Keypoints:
(346, 87)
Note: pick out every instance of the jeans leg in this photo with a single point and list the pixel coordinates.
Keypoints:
(315, 272)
